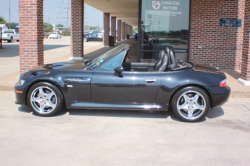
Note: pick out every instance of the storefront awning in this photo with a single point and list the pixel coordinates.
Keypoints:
(125, 10)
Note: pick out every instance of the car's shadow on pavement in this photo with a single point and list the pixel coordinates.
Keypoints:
(212, 113)
(120, 113)
(25, 109)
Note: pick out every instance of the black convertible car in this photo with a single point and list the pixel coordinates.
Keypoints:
(110, 81)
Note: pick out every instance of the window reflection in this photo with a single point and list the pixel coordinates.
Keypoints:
(164, 24)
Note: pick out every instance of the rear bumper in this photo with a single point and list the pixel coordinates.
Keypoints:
(219, 95)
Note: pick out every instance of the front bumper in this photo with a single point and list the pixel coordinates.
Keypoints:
(5, 38)
(20, 92)
(219, 95)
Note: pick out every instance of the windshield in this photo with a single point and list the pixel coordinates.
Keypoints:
(53, 33)
(103, 58)
(8, 31)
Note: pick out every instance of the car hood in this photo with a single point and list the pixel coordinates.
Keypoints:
(206, 68)
(70, 65)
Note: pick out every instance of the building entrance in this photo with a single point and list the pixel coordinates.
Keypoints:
(164, 24)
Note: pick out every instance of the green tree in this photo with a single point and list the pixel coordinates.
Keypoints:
(12, 25)
(59, 26)
(135, 30)
(47, 27)
(2, 20)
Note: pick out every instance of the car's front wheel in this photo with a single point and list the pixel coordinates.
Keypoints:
(45, 99)
(11, 40)
(190, 104)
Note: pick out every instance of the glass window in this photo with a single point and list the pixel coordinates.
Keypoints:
(164, 24)
(113, 63)
(8, 31)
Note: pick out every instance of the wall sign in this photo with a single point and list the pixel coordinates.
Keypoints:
(230, 22)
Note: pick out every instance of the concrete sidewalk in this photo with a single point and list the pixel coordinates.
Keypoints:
(63, 53)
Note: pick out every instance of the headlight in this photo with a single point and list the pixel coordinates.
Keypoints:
(20, 76)
(20, 81)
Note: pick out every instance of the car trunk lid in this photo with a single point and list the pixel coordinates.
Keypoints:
(206, 68)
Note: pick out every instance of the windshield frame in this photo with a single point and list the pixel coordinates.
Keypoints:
(106, 57)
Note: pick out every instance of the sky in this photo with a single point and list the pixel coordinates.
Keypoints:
(93, 17)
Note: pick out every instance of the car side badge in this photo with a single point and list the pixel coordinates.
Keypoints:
(70, 86)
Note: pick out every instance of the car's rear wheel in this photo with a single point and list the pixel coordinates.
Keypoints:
(45, 99)
(190, 104)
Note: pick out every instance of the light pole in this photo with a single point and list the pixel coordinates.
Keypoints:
(9, 16)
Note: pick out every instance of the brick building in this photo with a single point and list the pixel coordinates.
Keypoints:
(212, 32)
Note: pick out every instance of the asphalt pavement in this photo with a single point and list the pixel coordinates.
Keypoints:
(104, 137)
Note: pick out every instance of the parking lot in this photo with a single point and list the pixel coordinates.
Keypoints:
(54, 50)
(104, 137)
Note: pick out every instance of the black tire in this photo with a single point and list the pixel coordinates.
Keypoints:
(48, 88)
(179, 101)
(11, 40)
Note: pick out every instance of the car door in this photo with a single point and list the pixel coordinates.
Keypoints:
(93, 35)
(129, 88)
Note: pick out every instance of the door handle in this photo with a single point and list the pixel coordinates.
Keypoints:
(150, 80)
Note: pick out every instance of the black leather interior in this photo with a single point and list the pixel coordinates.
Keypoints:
(162, 63)
(172, 57)
(167, 50)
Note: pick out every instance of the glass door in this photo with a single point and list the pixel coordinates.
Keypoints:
(164, 24)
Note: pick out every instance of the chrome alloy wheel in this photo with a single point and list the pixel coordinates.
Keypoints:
(43, 100)
(191, 105)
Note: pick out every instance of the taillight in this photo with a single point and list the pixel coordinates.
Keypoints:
(223, 83)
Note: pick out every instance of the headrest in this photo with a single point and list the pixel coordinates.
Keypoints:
(167, 50)
(161, 54)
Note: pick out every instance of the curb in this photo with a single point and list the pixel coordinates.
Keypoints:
(234, 94)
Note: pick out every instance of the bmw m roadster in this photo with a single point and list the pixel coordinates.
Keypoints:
(110, 81)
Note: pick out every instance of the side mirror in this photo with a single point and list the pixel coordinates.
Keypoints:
(119, 69)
